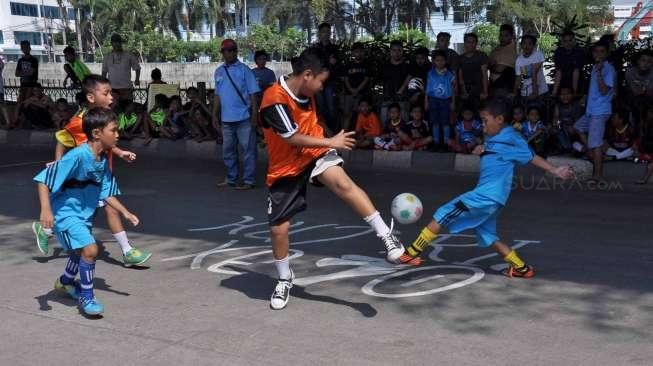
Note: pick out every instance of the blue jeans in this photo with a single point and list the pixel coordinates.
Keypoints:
(439, 111)
(234, 135)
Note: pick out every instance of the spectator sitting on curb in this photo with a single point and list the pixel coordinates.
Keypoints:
(393, 136)
(620, 137)
(417, 130)
(36, 111)
(368, 126)
(566, 112)
(469, 133)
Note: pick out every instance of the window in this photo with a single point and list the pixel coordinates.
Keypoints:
(72, 15)
(52, 12)
(34, 38)
(461, 14)
(26, 10)
(2, 38)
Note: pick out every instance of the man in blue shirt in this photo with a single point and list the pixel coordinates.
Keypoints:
(264, 76)
(479, 208)
(236, 97)
(591, 126)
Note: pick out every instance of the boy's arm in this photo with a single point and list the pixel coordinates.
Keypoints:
(343, 140)
(562, 172)
(59, 151)
(46, 216)
(127, 156)
(115, 203)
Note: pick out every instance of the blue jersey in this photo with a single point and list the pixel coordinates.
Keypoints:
(502, 152)
(469, 135)
(77, 183)
(438, 85)
(529, 131)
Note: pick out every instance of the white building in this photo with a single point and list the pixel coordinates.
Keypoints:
(36, 21)
(623, 10)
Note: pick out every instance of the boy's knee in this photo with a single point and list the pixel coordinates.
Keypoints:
(280, 229)
(90, 252)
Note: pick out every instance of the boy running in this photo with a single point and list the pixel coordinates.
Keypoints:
(299, 153)
(98, 94)
(479, 208)
(69, 190)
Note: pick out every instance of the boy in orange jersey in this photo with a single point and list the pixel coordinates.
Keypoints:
(98, 94)
(368, 125)
(299, 153)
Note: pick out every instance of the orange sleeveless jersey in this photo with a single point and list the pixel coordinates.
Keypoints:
(285, 160)
(74, 128)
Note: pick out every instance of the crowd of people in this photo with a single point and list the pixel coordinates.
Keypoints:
(428, 100)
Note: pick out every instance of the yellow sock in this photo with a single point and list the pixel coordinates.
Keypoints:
(514, 259)
(425, 237)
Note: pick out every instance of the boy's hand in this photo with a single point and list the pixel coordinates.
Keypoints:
(343, 140)
(564, 172)
(47, 219)
(479, 150)
(128, 156)
(131, 218)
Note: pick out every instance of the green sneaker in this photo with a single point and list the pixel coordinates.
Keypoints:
(135, 257)
(67, 290)
(41, 237)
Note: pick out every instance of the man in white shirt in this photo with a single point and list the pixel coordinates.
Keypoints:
(117, 67)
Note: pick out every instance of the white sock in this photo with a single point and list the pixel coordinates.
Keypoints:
(376, 222)
(48, 231)
(283, 267)
(121, 237)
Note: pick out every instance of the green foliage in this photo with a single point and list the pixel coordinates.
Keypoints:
(411, 36)
(547, 43)
(488, 36)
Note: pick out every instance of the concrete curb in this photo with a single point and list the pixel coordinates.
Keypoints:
(423, 161)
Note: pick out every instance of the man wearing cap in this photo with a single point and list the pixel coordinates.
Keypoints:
(117, 67)
(236, 101)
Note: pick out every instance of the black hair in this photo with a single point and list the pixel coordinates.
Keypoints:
(498, 107)
(601, 43)
(68, 50)
(624, 114)
(324, 25)
(532, 108)
(568, 33)
(80, 98)
(365, 100)
(529, 37)
(37, 85)
(443, 34)
(608, 38)
(394, 106)
(639, 55)
(191, 89)
(156, 74)
(310, 59)
(438, 53)
(97, 118)
(396, 42)
(418, 107)
(92, 81)
(173, 98)
(507, 27)
(260, 53)
(24, 43)
(161, 100)
(421, 51)
(62, 100)
(357, 46)
(471, 35)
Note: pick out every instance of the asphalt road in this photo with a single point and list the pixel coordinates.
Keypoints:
(203, 299)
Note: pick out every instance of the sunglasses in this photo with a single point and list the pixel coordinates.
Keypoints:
(229, 50)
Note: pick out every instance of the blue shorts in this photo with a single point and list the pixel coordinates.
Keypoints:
(77, 236)
(594, 127)
(471, 211)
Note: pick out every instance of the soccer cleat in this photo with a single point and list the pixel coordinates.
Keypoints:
(281, 294)
(41, 237)
(90, 306)
(410, 260)
(393, 246)
(135, 257)
(524, 272)
(67, 290)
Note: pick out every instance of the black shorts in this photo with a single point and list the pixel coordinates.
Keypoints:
(287, 196)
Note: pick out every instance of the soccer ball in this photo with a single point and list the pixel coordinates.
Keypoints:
(406, 208)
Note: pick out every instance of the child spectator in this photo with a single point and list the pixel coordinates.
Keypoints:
(639, 84)
(620, 137)
(75, 69)
(646, 145)
(518, 117)
(198, 119)
(175, 117)
(155, 122)
(469, 133)
(417, 130)
(129, 122)
(264, 76)
(530, 81)
(418, 72)
(36, 110)
(442, 41)
(440, 98)
(368, 126)
(62, 112)
(534, 131)
(566, 112)
(357, 79)
(393, 136)
(156, 76)
(472, 74)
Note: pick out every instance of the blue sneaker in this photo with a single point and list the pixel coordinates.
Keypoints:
(67, 290)
(91, 306)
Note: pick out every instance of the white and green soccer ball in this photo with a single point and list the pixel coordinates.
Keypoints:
(406, 208)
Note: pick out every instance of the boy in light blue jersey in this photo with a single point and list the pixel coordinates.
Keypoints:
(479, 208)
(69, 191)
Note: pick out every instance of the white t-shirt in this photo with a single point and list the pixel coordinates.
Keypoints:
(524, 69)
(119, 67)
(2, 82)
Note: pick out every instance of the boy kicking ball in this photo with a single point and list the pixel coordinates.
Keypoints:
(479, 208)
(69, 191)
(299, 153)
(97, 90)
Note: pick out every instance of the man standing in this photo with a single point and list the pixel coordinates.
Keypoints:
(236, 98)
(502, 63)
(569, 61)
(27, 69)
(118, 65)
(326, 99)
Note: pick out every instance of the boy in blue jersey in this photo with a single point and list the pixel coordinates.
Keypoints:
(440, 98)
(479, 208)
(69, 191)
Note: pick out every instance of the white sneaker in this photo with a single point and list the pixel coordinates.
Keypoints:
(393, 246)
(281, 294)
